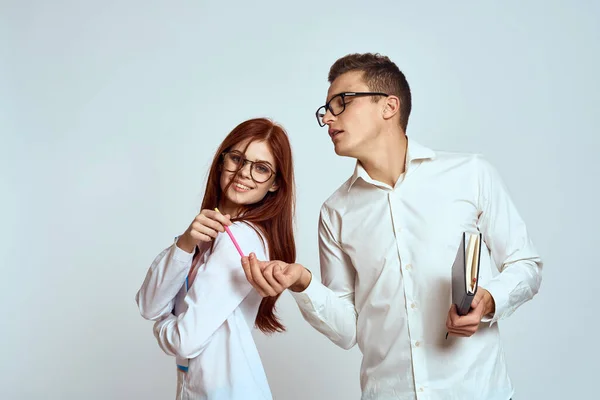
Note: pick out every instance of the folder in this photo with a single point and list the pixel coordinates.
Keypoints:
(465, 271)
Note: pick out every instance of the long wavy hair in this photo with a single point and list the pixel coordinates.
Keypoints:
(274, 214)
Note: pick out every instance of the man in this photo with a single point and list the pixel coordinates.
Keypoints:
(387, 240)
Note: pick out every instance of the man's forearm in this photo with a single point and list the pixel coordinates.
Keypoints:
(331, 314)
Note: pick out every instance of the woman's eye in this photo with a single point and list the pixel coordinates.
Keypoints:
(262, 169)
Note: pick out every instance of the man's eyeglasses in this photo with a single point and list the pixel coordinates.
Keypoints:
(337, 104)
(234, 161)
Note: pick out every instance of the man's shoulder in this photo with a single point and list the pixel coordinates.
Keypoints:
(475, 162)
(457, 156)
(339, 197)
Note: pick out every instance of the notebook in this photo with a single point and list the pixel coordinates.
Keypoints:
(465, 271)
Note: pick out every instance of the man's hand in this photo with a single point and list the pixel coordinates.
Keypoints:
(270, 278)
(466, 325)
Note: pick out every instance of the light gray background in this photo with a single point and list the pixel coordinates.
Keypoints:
(110, 112)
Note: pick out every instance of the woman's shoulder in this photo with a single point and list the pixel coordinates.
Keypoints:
(249, 235)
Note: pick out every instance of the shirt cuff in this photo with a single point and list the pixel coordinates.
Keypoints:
(181, 255)
(311, 295)
(500, 295)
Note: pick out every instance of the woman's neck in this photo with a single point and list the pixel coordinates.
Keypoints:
(228, 207)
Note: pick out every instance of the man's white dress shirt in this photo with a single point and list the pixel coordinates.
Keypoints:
(386, 255)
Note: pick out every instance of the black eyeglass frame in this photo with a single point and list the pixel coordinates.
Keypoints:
(343, 95)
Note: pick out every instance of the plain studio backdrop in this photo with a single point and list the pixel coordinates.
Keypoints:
(111, 111)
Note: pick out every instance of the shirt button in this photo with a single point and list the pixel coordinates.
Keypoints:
(306, 301)
(413, 305)
(408, 266)
(421, 389)
(417, 343)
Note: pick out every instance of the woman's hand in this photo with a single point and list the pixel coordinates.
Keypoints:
(204, 228)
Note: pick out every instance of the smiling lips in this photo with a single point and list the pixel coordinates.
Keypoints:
(240, 187)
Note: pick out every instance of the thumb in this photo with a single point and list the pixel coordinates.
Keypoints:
(477, 299)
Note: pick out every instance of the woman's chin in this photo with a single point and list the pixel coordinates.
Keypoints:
(237, 198)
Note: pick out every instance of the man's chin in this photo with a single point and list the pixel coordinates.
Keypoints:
(344, 151)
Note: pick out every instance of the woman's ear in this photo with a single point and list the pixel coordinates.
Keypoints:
(274, 186)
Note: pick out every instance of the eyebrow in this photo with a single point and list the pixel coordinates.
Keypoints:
(256, 161)
(338, 93)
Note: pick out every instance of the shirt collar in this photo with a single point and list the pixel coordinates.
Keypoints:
(414, 152)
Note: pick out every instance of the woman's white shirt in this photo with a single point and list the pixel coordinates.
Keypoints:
(207, 326)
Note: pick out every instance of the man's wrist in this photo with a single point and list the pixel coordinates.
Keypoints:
(303, 282)
(490, 304)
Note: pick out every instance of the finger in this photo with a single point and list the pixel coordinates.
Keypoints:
(200, 236)
(464, 331)
(268, 274)
(448, 319)
(282, 279)
(248, 273)
(461, 322)
(473, 318)
(208, 231)
(263, 264)
(458, 329)
(258, 277)
(200, 226)
(210, 222)
(461, 327)
(246, 268)
(480, 307)
(459, 333)
(466, 324)
(224, 220)
(477, 299)
(453, 316)
(469, 320)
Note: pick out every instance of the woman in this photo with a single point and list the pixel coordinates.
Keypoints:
(196, 290)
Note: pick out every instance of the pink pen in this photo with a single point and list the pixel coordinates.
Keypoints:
(235, 243)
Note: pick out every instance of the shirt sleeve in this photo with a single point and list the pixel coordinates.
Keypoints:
(218, 289)
(329, 305)
(512, 250)
(164, 279)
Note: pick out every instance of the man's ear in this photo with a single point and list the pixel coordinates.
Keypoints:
(392, 107)
(274, 186)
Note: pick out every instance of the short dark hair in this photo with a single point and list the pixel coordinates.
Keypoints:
(380, 74)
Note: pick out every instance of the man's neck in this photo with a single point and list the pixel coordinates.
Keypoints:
(385, 162)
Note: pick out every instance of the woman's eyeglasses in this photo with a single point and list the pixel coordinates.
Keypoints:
(260, 171)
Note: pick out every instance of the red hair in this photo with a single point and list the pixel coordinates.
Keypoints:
(273, 215)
